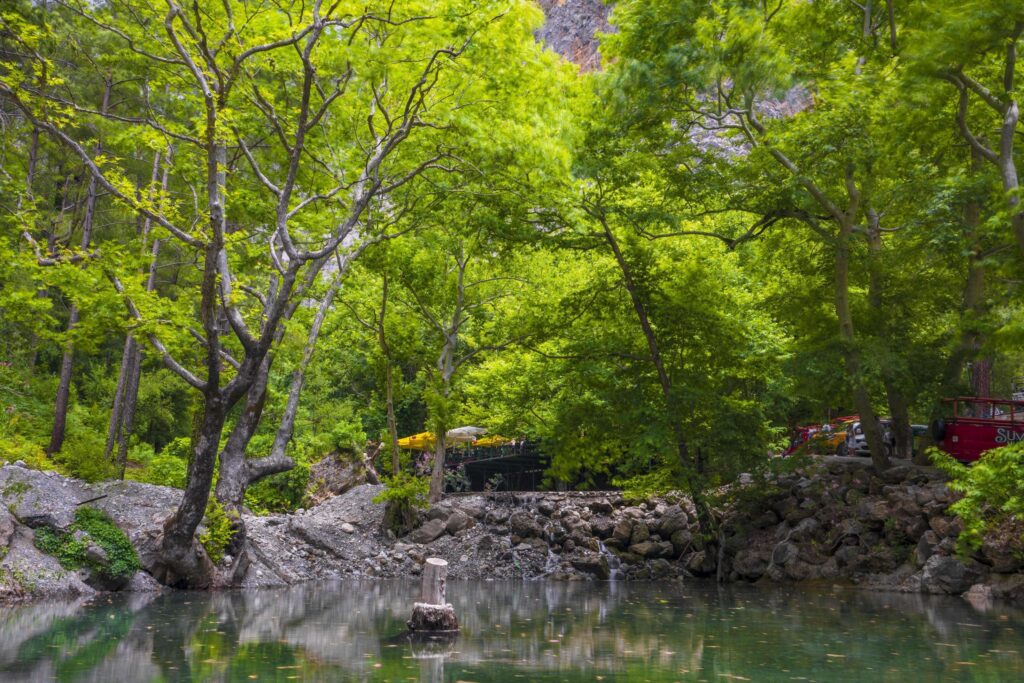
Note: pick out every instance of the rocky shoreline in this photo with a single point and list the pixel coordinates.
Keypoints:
(835, 521)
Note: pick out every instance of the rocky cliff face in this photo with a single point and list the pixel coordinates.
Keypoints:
(836, 521)
(571, 28)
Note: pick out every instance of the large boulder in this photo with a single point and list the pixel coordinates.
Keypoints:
(602, 527)
(594, 564)
(427, 533)
(672, 521)
(334, 475)
(524, 525)
(41, 499)
(640, 533)
(457, 522)
(944, 574)
(623, 531)
(750, 564)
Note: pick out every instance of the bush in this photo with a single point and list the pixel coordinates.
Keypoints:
(82, 457)
(403, 494)
(122, 561)
(220, 529)
(993, 492)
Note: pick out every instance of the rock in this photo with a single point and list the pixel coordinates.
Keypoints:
(438, 512)
(1003, 549)
(944, 574)
(473, 509)
(6, 529)
(749, 564)
(925, 547)
(428, 532)
(623, 531)
(681, 541)
(784, 552)
(602, 527)
(347, 528)
(847, 555)
(141, 582)
(524, 525)
(334, 475)
(805, 530)
(601, 506)
(701, 563)
(672, 521)
(547, 507)
(876, 510)
(647, 548)
(496, 517)
(96, 554)
(37, 500)
(640, 533)
(980, 597)
(458, 521)
(594, 564)
(659, 568)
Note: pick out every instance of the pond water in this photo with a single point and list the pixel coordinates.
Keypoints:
(515, 631)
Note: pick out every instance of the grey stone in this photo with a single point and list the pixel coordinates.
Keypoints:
(347, 528)
(785, 552)
(681, 541)
(944, 574)
(458, 521)
(623, 531)
(593, 564)
(672, 521)
(640, 533)
(524, 525)
(750, 564)
(428, 532)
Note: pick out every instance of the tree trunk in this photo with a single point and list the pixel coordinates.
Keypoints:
(903, 436)
(237, 472)
(437, 471)
(131, 357)
(60, 410)
(396, 464)
(682, 449)
(389, 391)
(861, 397)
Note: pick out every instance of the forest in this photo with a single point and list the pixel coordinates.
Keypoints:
(237, 236)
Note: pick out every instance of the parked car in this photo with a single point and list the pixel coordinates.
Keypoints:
(857, 441)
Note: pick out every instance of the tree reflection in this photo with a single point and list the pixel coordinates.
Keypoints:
(538, 630)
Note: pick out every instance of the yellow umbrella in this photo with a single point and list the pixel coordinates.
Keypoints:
(423, 441)
(493, 440)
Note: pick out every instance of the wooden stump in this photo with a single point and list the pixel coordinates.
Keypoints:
(433, 614)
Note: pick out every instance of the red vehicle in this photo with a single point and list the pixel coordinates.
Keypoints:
(976, 425)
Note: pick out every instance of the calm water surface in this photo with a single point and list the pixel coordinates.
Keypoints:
(533, 631)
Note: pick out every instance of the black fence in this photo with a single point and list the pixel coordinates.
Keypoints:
(517, 466)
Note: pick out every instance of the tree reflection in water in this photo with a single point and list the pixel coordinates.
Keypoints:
(543, 631)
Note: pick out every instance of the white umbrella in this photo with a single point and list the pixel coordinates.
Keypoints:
(464, 434)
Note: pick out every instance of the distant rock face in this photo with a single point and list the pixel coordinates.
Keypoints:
(571, 30)
(333, 476)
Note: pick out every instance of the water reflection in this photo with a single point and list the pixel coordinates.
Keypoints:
(536, 631)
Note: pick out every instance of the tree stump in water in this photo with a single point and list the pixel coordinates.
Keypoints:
(433, 614)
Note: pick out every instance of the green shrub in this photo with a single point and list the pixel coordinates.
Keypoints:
(220, 529)
(402, 494)
(122, 560)
(993, 492)
(82, 456)
(281, 492)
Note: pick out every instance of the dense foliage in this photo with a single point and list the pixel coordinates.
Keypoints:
(91, 526)
(236, 237)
